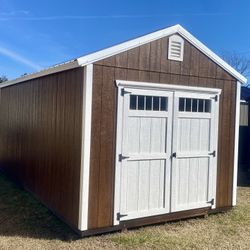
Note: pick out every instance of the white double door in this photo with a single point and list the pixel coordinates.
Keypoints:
(167, 159)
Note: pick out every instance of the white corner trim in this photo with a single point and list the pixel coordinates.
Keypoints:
(51, 70)
(86, 143)
(135, 84)
(236, 143)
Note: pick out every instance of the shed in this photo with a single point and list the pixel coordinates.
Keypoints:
(139, 133)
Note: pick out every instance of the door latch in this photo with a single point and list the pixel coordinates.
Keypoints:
(174, 155)
(122, 157)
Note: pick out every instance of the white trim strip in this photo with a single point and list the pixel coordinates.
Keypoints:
(102, 54)
(52, 70)
(159, 86)
(99, 55)
(199, 45)
(236, 144)
(86, 143)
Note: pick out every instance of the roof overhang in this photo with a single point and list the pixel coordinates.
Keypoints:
(105, 53)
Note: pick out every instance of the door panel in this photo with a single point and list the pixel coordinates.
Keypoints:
(167, 153)
(192, 166)
(146, 144)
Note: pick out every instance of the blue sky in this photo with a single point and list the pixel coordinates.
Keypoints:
(38, 34)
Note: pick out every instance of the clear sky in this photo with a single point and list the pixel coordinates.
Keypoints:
(38, 34)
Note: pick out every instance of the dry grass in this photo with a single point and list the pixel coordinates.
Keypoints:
(26, 224)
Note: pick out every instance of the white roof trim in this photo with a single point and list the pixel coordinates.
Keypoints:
(51, 70)
(91, 58)
(102, 54)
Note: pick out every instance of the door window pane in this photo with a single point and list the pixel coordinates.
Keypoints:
(133, 100)
(181, 104)
(141, 99)
(156, 103)
(164, 104)
(148, 102)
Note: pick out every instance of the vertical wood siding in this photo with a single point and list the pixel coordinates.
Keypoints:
(149, 63)
(40, 138)
(244, 114)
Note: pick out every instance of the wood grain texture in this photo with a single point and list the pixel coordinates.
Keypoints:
(149, 63)
(40, 139)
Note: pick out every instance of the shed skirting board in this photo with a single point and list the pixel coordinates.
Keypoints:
(236, 143)
(153, 220)
(85, 153)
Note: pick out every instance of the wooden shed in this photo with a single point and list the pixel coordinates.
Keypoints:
(140, 133)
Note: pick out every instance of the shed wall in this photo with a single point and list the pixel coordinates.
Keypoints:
(149, 63)
(40, 138)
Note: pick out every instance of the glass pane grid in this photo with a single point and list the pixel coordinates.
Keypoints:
(194, 105)
(148, 103)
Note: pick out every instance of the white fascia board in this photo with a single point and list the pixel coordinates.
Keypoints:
(51, 70)
(199, 45)
(102, 54)
(99, 55)
(236, 144)
(114, 50)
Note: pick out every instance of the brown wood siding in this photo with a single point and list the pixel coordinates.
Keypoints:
(149, 63)
(40, 138)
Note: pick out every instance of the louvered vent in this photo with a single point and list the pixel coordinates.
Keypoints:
(175, 48)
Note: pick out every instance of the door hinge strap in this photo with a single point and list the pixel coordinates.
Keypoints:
(123, 92)
(215, 98)
(122, 157)
(213, 153)
(211, 202)
(119, 216)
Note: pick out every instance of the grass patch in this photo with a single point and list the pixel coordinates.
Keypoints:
(26, 224)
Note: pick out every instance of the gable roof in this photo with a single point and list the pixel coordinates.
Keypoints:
(102, 54)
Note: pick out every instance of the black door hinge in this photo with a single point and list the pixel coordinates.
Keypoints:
(215, 98)
(119, 216)
(123, 92)
(213, 153)
(211, 202)
(121, 157)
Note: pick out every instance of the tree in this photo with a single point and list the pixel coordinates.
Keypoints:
(3, 79)
(238, 61)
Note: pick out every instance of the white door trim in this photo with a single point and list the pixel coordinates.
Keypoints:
(85, 147)
(236, 143)
(149, 86)
(161, 86)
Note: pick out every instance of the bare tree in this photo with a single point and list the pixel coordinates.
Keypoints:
(3, 79)
(238, 61)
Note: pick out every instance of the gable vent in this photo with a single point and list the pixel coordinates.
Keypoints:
(175, 48)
